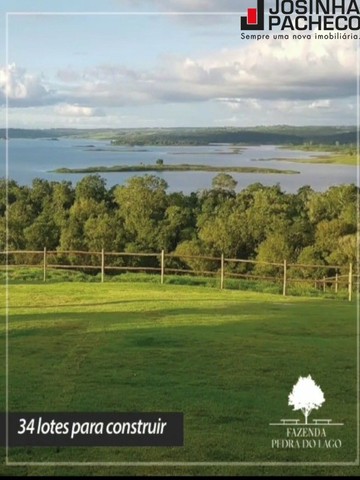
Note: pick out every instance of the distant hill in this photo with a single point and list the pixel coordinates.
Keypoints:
(275, 135)
(50, 133)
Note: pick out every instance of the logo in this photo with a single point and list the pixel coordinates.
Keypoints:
(255, 18)
(306, 396)
(302, 433)
(304, 15)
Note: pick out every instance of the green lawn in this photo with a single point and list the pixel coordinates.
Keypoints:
(338, 154)
(227, 359)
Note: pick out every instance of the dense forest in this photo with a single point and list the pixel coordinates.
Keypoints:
(272, 135)
(259, 222)
(240, 136)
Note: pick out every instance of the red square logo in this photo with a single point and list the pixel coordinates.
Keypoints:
(252, 16)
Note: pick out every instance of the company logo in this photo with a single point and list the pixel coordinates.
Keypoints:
(306, 396)
(304, 15)
(255, 18)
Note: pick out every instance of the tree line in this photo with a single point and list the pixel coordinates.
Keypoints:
(242, 136)
(273, 135)
(259, 222)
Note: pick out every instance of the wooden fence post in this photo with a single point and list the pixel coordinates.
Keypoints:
(336, 283)
(102, 266)
(45, 264)
(162, 266)
(285, 279)
(222, 277)
(350, 281)
(324, 284)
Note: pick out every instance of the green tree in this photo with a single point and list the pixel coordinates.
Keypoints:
(336, 202)
(269, 212)
(72, 236)
(73, 233)
(103, 232)
(310, 255)
(225, 231)
(175, 228)
(20, 216)
(63, 197)
(194, 248)
(224, 181)
(328, 234)
(142, 204)
(274, 249)
(43, 232)
(13, 191)
(345, 252)
(91, 187)
(40, 195)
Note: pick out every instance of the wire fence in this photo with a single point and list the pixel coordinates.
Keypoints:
(321, 277)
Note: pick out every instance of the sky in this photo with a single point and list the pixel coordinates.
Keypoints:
(164, 63)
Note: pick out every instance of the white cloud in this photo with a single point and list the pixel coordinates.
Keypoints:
(272, 70)
(228, 6)
(191, 10)
(240, 103)
(67, 110)
(68, 75)
(318, 104)
(284, 69)
(234, 120)
(191, 5)
(292, 75)
(21, 88)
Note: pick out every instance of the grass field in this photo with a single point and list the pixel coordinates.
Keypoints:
(227, 359)
(339, 159)
(336, 154)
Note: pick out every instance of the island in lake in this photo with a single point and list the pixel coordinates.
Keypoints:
(183, 167)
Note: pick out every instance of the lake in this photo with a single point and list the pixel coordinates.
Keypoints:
(29, 159)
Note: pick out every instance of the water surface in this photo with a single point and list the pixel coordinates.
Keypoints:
(29, 159)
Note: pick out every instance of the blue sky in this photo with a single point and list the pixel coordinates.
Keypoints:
(147, 69)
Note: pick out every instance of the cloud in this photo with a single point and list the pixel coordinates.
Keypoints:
(319, 111)
(193, 13)
(240, 103)
(67, 110)
(295, 112)
(68, 75)
(314, 71)
(320, 104)
(190, 5)
(199, 5)
(23, 89)
(280, 69)
(273, 70)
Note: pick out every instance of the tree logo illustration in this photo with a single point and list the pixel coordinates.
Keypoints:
(306, 396)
